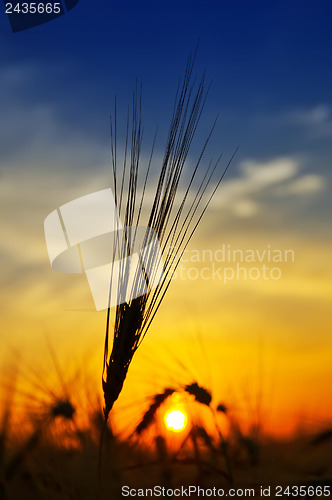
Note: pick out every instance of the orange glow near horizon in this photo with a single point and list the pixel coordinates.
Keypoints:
(262, 347)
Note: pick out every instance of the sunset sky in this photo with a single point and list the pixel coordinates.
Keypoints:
(248, 337)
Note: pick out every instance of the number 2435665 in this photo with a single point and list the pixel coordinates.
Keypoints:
(33, 8)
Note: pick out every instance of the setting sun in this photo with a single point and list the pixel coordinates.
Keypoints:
(176, 420)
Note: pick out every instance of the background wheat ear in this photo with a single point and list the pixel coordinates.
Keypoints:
(150, 413)
(172, 220)
(200, 394)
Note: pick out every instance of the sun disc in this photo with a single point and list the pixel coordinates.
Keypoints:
(176, 420)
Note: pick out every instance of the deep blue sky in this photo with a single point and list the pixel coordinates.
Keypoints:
(269, 61)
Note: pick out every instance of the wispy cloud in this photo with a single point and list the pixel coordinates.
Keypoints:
(261, 182)
(316, 119)
(316, 115)
(304, 185)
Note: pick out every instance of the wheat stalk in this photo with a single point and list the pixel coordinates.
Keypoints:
(171, 220)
